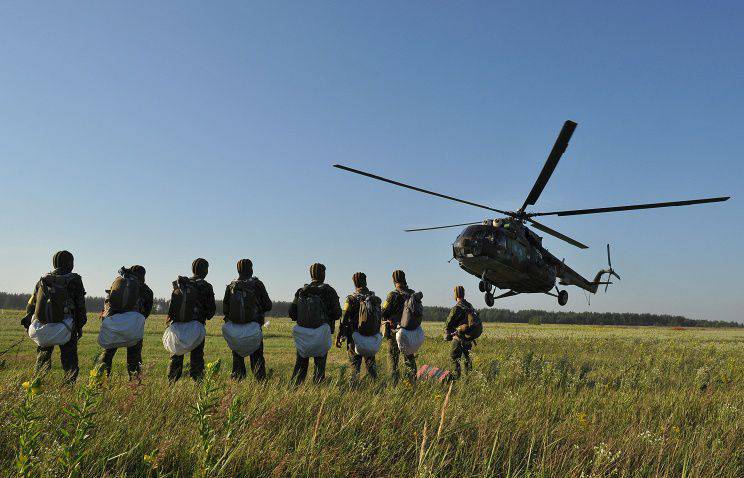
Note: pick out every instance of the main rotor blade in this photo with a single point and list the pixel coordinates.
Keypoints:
(561, 143)
(441, 227)
(414, 188)
(557, 234)
(598, 210)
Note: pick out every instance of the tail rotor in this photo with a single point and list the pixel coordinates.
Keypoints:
(610, 272)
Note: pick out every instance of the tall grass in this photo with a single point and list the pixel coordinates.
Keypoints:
(543, 401)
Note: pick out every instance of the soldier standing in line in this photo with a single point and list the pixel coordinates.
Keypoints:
(350, 323)
(204, 311)
(144, 307)
(392, 310)
(462, 328)
(61, 294)
(332, 309)
(246, 281)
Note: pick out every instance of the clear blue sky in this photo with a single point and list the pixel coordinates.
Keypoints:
(156, 134)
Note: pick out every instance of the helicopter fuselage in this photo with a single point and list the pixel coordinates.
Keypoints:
(505, 257)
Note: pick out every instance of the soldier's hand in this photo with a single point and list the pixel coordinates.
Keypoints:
(26, 321)
(448, 337)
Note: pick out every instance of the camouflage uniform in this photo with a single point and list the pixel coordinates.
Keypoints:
(392, 310)
(460, 345)
(349, 325)
(333, 312)
(134, 353)
(63, 262)
(263, 303)
(207, 308)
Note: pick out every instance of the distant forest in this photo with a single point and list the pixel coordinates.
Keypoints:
(439, 314)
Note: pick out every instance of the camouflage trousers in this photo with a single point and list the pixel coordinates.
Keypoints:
(134, 360)
(303, 363)
(258, 365)
(394, 356)
(460, 349)
(196, 364)
(356, 361)
(68, 354)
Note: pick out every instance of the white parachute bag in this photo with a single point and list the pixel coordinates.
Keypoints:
(243, 339)
(366, 346)
(49, 335)
(180, 338)
(121, 330)
(409, 341)
(312, 342)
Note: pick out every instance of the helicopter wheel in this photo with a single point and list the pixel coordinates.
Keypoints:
(489, 299)
(563, 297)
(482, 286)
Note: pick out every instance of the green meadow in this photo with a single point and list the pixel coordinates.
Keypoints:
(542, 401)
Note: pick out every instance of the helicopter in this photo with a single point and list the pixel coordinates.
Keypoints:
(504, 253)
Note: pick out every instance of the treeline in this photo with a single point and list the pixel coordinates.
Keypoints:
(439, 314)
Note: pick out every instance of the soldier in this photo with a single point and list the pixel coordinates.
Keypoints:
(263, 305)
(205, 311)
(74, 307)
(392, 310)
(456, 331)
(144, 307)
(350, 324)
(332, 307)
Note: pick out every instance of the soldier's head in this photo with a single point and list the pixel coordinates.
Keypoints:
(459, 292)
(399, 277)
(138, 272)
(317, 272)
(360, 279)
(200, 268)
(245, 268)
(63, 261)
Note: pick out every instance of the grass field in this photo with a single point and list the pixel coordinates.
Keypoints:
(543, 401)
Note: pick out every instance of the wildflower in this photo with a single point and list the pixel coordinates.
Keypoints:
(214, 367)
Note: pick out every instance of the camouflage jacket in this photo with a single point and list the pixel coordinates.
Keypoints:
(76, 294)
(262, 299)
(350, 318)
(329, 297)
(392, 308)
(457, 316)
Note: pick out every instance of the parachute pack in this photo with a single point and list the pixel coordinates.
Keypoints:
(243, 301)
(184, 304)
(370, 314)
(473, 328)
(413, 311)
(311, 312)
(124, 293)
(52, 299)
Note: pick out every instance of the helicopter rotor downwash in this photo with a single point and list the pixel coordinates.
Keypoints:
(505, 253)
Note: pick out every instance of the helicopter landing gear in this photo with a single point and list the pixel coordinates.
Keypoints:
(489, 299)
(562, 296)
(482, 286)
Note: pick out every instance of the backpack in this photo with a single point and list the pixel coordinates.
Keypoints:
(474, 326)
(124, 293)
(184, 304)
(311, 311)
(243, 302)
(52, 299)
(413, 311)
(370, 314)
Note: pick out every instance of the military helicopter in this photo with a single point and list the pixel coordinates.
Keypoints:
(505, 254)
